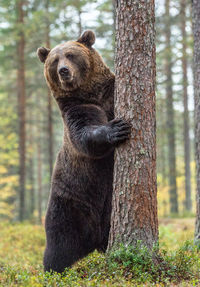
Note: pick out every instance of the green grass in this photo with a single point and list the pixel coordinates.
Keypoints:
(22, 245)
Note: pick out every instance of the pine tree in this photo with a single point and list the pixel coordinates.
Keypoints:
(188, 201)
(170, 114)
(134, 213)
(196, 32)
(21, 106)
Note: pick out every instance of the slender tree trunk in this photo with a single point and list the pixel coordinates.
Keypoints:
(170, 115)
(49, 108)
(134, 211)
(50, 132)
(114, 14)
(163, 157)
(21, 108)
(196, 31)
(32, 191)
(30, 169)
(188, 201)
(39, 167)
(39, 179)
(80, 21)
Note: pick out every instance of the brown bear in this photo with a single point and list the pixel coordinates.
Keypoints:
(78, 214)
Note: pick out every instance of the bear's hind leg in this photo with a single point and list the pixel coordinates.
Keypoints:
(69, 238)
(61, 253)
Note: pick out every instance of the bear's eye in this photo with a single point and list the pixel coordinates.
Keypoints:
(69, 56)
(55, 61)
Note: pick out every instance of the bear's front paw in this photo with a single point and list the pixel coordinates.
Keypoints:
(119, 131)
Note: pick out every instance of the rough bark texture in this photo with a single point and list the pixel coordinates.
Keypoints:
(170, 115)
(49, 106)
(196, 31)
(188, 201)
(134, 213)
(21, 108)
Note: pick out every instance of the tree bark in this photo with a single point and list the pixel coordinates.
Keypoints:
(170, 115)
(49, 108)
(21, 108)
(196, 32)
(188, 201)
(134, 207)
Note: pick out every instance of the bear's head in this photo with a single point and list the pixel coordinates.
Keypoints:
(73, 66)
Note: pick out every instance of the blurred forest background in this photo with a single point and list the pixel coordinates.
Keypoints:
(31, 127)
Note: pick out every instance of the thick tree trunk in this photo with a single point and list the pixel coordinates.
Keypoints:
(49, 108)
(188, 201)
(170, 115)
(21, 108)
(134, 211)
(196, 31)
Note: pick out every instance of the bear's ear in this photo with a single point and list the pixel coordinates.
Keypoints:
(87, 38)
(43, 53)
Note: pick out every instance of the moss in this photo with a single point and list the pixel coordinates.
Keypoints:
(22, 245)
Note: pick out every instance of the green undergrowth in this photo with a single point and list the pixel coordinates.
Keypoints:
(176, 264)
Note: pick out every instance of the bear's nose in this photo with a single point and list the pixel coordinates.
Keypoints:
(64, 71)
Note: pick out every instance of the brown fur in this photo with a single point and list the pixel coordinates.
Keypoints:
(96, 74)
(78, 214)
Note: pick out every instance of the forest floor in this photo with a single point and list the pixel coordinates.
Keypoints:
(22, 246)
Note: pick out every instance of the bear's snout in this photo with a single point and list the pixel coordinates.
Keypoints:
(64, 72)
